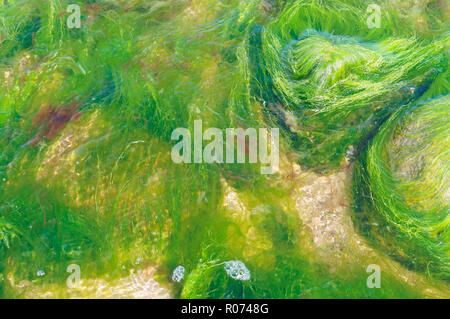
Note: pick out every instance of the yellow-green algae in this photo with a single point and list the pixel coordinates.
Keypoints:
(86, 176)
(407, 173)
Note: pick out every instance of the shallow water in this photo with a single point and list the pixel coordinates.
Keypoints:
(87, 177)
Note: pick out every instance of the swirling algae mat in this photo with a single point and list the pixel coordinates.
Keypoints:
(92, 204)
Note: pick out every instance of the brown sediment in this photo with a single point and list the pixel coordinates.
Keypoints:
(139, 284)
(324, 205)
(53, 120)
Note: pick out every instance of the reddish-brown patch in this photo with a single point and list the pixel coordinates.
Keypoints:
(52, 120)
(94, 9)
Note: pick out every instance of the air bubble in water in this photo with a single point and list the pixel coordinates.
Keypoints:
(40, 273)
(178, 274)
(236, 269)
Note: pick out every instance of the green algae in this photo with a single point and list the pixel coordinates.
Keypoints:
(86, 117)
(331, 85)
(406, 169)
